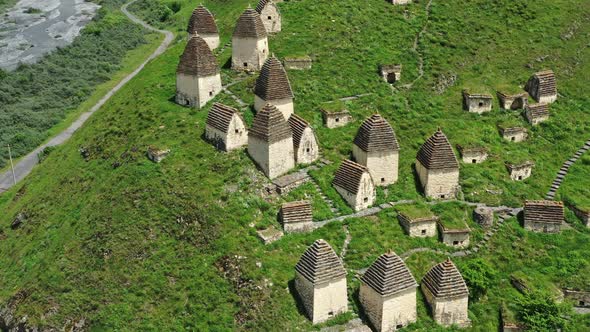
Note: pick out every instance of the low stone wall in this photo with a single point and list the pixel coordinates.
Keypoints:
(583, 215)
(581, 299)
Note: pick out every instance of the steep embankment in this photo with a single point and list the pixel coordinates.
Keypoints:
(124, 244)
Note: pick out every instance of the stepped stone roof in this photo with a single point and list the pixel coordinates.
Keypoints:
(349, 175)
(437, 153)
(320, 263)
(273, 83)
(445, 281)
(538, 110)
(270, 125)
(250, 25)
(298, 125)
(202, 22)
(547, 85)
(262, 4)
(220, 116)
(389, 275)
(197, 59)
(544, 211)
(296, 212)
(513, 130)
(375, 134)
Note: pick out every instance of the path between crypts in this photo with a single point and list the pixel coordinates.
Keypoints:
(26, 164)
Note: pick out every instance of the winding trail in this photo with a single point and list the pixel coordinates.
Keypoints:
(415, 48)
(565, 169)
(26, 164)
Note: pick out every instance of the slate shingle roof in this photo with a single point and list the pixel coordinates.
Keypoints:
(375, 134)
(437, 153)
(537, 110)
(261, 5)
(445, 281)
(220, 116)
(544, 211)
(270, 125)
(296, 212)
(389, 275)
(349, 175)
(273, 82)
(197, 59)
(202, 22)
(320, 263)
(547, 85)
(250, 25)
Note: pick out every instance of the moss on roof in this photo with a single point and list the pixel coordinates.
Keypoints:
(415, 211)
(453, 215)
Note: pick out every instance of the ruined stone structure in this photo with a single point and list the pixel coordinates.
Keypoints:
(391, 73)
(513, 101)
(514, 134)
(581, 213)
(484, 216)
(249, 42)
(197, 76)
(305, 143)
(376, 147)
(286, 183)
(519, 172)
(202, 23)
(320, 281)
(157, 155)
(400, 2)
(542, 87)
(335, 119)
(543, 216)
(477, 103)
(296, 216)
(537, 113)
(388, 293)
(270, 142)
(447, 294)
(580, 298)
(298, 63)
(473, 154)
(269, 235)
(418, 226)
(454, 237)
(270, 15)
(272, 86)
(438, 168)
(225, 128)
(355, 184)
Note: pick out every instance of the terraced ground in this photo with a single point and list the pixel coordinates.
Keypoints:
(126, 244)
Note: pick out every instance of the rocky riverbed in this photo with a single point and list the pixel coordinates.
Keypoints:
(32, 28)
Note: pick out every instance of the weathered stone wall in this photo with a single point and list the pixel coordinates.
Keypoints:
(275, 159)
(308, 151)
(195, 91)
(518, 137)
(236, 137)
(400, 2)
(474, 157)
(271, 17)
(511, 103)
(298, 227)
(383, 165)
(439, 184)
(535, 120)
(330, 299)
(540, 227)
(422, 229)
(478, 105)
(387, 313)
(335, 121)
(520, 174)
(211, 39)
(583, 215)
(285, 106)
(249, 54)
(305, 291)
(581, 299)
(548, 99)
(457, 240)
(365, 196)
(298, 63)
(448, 312)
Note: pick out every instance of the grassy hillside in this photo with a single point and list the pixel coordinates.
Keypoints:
(126, 244)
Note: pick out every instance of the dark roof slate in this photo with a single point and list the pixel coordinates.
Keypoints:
(270, 125)
(220, 116)
(250, 25)
(349, 175)
(437, 153)
(202, 22)
(273, 82)
(375, 134)
(389, 275)
(445, 281)
(320, 263)
(197, 59)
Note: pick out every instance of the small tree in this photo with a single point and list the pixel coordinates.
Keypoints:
(539, 312)
(478, 275)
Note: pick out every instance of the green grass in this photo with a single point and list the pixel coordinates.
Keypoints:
(173, 246)
(453, 215)
(575, 188)
(415, 211)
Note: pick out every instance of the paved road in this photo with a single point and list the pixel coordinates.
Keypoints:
(26, 164)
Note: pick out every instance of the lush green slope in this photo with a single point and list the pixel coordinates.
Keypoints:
(132, 245)
(34, 98)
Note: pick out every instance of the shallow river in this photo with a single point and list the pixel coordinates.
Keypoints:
(32, 28)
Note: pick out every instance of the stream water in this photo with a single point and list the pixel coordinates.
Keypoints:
(32, 28)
